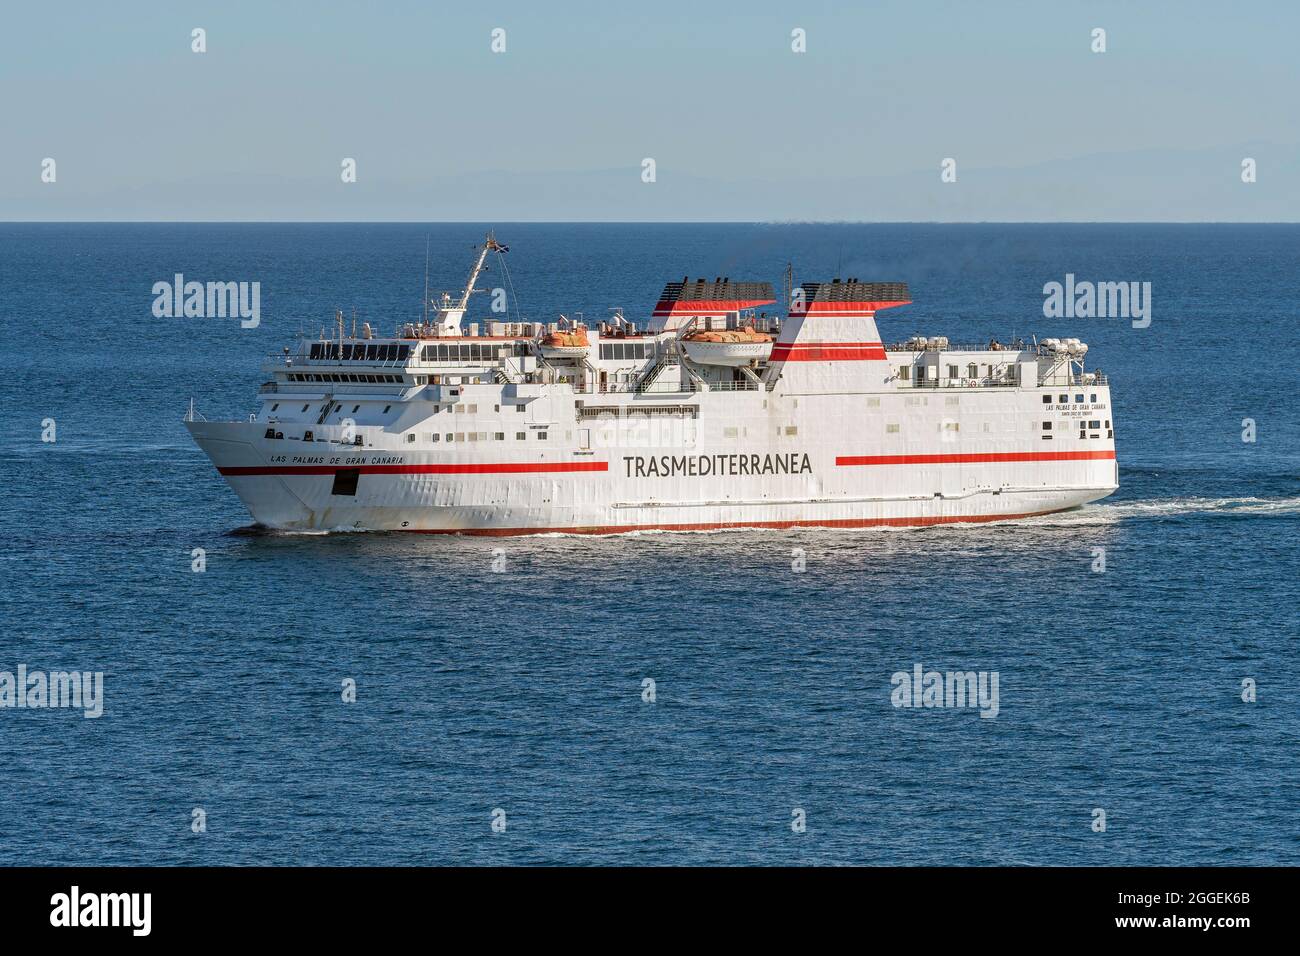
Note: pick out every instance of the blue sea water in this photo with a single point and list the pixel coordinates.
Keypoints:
(521, 691)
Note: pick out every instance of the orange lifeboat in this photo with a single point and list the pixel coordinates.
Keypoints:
(566, 344)
(733, 347)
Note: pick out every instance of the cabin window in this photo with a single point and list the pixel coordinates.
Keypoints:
(473, 409)
(355, 408)
(1047, 426)
(891, 429)
(275, 406)
(386, 408)
(1094, 424)
(410, 436)
(1079, 399)
(520, 436)
(305, 407)
(1093, 398)
(307, 436)
(1047, 399)
(519, 408)
(972, 370)
(1065, 400)
(541, 436)
(345, 481)
(434, 437)
(499, 436)
(450, 437)
(792, 429)
(904, 373)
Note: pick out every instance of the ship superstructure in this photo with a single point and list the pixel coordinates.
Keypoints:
(715, 414)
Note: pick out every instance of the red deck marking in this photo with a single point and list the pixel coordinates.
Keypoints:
(974, 458)
(501, 468)
(918, 522)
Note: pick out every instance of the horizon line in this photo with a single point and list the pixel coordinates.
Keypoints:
(650, 222)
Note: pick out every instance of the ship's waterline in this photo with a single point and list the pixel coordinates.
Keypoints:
(712, 415)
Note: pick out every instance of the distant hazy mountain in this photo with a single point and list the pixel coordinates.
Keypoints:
(1151, 185)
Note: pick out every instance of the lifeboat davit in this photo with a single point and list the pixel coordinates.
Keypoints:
(733, 347)
(566, 344)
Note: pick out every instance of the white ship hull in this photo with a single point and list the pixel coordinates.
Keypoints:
(618, 484)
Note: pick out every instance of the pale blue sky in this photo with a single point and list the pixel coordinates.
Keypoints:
(740, 127)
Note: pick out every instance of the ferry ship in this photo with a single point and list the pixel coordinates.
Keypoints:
(712, 414)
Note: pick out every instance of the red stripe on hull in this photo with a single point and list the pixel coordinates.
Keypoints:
(974, 458)
(918, 522)
(502, 468)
